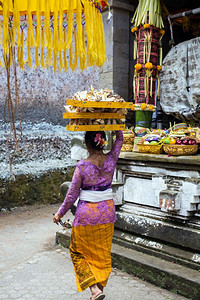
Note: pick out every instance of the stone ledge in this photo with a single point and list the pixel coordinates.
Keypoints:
(173, 277)
(191, 160)
(173, 233)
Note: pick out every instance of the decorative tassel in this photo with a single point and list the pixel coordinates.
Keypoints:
(70, 24)
(75, 63)
(38, 16)
(102, 40)
(47, 29)
(82, 58)
(55, 62)
(30, 34)
(71, 57)
(6, 27)
(60, 61)
(55, 33)
(36, 51)
(60, 28)
(42, 49)
(65, 52)
(48, 58)
(22, 62)
(48, 40)
(81, 46)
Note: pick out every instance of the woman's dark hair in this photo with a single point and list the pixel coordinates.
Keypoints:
(90, 137)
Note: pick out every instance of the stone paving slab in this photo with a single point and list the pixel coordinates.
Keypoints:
(49, 275)
(41, 270)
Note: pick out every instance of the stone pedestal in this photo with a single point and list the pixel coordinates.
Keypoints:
(161, 197)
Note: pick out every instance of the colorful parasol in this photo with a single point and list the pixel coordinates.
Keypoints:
(54, 32)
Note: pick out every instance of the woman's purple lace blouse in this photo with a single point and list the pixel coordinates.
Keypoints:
(90, 177)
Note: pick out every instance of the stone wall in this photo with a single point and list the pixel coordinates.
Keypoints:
(43, 93)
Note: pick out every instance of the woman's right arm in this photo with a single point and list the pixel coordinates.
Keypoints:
(72, 195)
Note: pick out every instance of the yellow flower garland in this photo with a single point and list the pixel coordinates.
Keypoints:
(138, 67)
(148, 65)
(147, 25)
(134, 29)
(143, 106)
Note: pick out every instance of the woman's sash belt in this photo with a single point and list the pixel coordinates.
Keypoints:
(95, 196)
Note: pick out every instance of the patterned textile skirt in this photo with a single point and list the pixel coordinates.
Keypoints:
(90, 251)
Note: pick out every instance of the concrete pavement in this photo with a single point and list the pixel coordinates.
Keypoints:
(33, 267)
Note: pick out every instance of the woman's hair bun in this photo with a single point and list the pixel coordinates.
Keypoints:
(95, 139)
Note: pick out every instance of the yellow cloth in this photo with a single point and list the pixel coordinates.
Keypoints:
(57, 30)
(90, 251)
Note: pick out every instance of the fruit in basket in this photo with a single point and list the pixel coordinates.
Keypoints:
(172, 141)
(166, 140)
(192, 142)
(185, 142)
(153, 143)
(179, 142)
(146, 143)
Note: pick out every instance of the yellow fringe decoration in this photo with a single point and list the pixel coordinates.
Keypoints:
(54, 41)
(6, 27)
(42, 49)
(75, 61)
(65, 52)
(82, 58)
(38, 16)
(36, 51)
(69, 25)
(61, 25)
(30, 34)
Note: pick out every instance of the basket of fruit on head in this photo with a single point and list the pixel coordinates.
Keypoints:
(151, 143)
(186, 145)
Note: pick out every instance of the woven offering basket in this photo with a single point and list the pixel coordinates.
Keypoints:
(128, 138)
(154, 149)
(127, 148)
(180, 149)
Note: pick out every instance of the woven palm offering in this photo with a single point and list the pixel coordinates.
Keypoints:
(180, 149)
(153, 149)
(128, 140)
(96, 110)
(147, 28)
(152, 143)
(186, 145)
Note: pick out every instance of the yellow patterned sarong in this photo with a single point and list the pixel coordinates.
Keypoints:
(90, 251)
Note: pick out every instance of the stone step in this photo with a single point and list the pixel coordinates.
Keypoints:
(166, 251)
(174, 277)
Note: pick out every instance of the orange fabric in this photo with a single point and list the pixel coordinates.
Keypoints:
(90, 251)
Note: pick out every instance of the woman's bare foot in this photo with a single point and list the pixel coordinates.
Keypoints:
(96, 292)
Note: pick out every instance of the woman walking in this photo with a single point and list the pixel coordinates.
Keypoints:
(93, 226)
